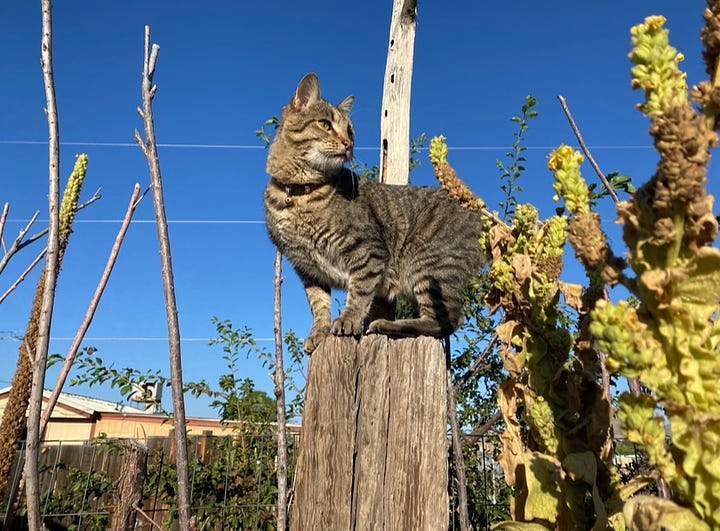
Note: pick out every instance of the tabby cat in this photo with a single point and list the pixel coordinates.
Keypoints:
(374, 240)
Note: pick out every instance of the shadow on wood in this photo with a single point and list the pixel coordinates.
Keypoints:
(373, 447)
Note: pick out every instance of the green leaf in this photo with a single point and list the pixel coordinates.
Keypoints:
(545, 496)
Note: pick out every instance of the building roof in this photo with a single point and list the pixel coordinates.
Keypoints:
(85, 405)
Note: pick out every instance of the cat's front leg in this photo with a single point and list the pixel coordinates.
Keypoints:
(319, 299)
(357, 306)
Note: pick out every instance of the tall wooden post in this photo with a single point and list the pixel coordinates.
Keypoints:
(395, 116)
(373, 449)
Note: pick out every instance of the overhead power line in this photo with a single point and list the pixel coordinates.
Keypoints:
(175, 221)
(260, 147)
(139, 339)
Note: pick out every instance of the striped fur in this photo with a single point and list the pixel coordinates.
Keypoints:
(375, 241)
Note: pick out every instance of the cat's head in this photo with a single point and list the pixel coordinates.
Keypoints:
(315, 137)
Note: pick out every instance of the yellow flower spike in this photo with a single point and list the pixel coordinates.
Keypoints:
(656, 66)
(555, 235)
(655, 22)
(438, 150)
(565, 162)
(71, 196)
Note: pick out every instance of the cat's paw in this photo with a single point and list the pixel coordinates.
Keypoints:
(422, 326)
(346, 326)
(312, 342)
(379, 326)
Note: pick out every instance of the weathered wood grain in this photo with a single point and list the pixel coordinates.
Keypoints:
(373, 449)
(128, 488)
(324, 471)
(395, 117)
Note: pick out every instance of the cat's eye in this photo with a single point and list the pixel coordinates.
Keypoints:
(324, 125)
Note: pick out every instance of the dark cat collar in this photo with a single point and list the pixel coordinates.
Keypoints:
(295, 189)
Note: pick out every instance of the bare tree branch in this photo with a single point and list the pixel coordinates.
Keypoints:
(395, 116)
(23, 275)
(279, 378)
(476, 365)
(585, 149)
(3, 218)
(480, 431)
(20, 243)
(149, 148)
(90, 313)
(458, 458)
(96, 196)
(147, 518)
(80, 334)
(51, 271)
(15, 246)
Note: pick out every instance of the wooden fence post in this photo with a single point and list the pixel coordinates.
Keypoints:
(128, 488)
(373, 448)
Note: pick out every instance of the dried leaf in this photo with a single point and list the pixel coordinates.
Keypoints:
(522, 267)
(572, 294)
(510, 457)
(648, 513)
(636, 484)
(519, 526)
(511, 362)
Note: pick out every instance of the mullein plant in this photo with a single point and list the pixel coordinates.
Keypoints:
(557, 443)
(669, 340)
(557, 447)
(13, 419)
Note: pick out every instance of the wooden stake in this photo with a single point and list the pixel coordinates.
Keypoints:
(395, 117)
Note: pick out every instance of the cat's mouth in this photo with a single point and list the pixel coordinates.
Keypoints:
(330, 160)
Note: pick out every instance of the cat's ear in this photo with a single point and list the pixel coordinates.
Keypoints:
(344, 105)
(307, 92)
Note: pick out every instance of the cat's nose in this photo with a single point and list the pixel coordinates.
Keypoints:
(348, 144)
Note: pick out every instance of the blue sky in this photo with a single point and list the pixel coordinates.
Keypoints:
(224, 68)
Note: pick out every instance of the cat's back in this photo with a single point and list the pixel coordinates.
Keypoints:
(424, 210)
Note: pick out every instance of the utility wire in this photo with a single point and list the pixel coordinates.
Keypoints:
(144, 339)
(260, 147)
(176, 221)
